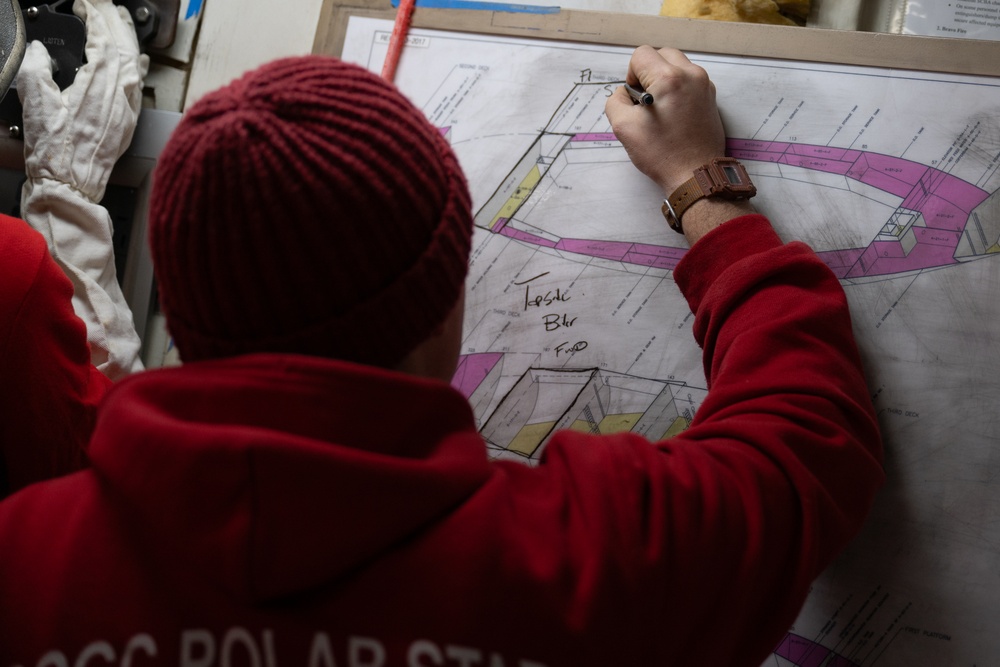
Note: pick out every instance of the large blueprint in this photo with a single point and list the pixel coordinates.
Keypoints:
(573, 320)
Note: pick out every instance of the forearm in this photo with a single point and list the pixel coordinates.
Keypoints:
(782, 460)
(707, 214)
(78, 233)
(784, 373)
(781, 463)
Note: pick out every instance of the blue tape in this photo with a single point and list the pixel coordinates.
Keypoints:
(194, 8)
(479, 4)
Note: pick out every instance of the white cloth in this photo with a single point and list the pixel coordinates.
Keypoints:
(72, 139)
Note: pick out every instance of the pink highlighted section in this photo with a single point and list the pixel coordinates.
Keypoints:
(820, 158)
(896, 167)
(472, 370)
(943, 203)
(757, 156)
(643, 254)
(803, 652)
(890, 181)
(938, 212)
(595, 136)
(659, 257)
(817, 163)
(944, 198)
(615, 250)
(824, 152)
(939, 237)
(841, 261)
(525, 236)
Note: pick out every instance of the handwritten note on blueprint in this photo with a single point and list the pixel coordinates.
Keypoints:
(574, 321)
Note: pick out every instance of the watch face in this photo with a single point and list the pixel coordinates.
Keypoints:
(729, 179)
(723, 177)
(732, 174)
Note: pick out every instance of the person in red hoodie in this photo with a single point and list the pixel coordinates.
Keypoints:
(65, 329)
(307, 490)
(51, 389)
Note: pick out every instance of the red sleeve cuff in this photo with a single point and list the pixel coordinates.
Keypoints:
(718, 250)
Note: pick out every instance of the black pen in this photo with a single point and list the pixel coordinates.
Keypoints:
(639, 96)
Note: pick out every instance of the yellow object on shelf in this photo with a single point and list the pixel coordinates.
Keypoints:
(780, 12)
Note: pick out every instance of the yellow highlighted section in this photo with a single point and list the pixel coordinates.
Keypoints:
(523, 191)
(676, 428)
(993, 248)
(530, 437)
(620, 423)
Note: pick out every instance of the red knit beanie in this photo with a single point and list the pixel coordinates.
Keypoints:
(308, 207)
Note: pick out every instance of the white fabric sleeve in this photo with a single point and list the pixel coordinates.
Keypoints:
(78, 233)
(72, 139)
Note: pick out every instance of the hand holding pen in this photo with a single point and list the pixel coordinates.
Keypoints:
(669, 139)
(672, 138)
(638, 95)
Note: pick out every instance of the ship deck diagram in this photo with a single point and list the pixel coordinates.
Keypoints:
(573, 320)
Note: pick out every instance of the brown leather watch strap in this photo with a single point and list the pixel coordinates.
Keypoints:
(723, 177)
(673, 207)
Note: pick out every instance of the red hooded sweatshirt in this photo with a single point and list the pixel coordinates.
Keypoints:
(287, 511)
(50, 390)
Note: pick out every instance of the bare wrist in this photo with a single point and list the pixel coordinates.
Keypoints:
(706, 214)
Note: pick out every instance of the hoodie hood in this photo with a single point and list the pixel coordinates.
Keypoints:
(273, 474)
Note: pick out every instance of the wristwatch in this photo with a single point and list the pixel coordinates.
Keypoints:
(723, 177)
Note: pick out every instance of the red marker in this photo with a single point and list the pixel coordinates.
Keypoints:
(397, 39)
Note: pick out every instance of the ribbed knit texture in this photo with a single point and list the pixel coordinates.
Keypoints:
(308, 207)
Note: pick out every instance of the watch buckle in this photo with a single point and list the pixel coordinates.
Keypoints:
(671, 216)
